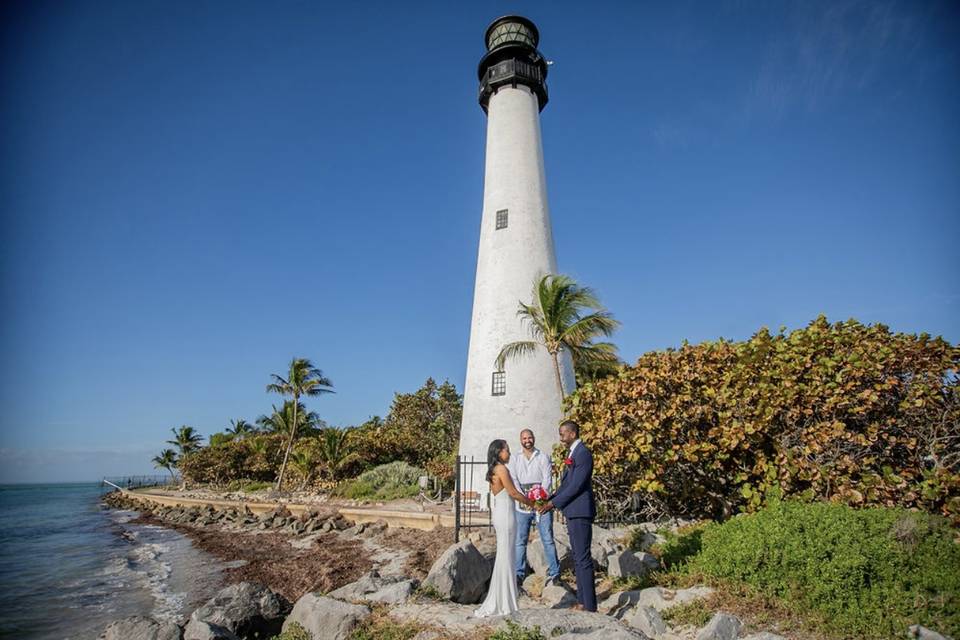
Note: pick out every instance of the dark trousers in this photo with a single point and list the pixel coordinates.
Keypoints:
(581, 537)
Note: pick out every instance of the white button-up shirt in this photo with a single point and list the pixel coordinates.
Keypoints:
(527, 472)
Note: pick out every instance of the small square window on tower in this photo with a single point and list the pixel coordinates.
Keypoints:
(502, 218)
(499, 383)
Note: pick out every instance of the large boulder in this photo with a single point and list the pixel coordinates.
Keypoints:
(246, 610)
(375, 588)
(722, 626)
(625, 564)
(647, 620)
(325, 617)
(538, 560)
(202, 630)
(557, 597)
(460, 574)
(559, 622)
(662, 599)
(140, 628)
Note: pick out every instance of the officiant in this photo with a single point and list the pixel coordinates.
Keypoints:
(529, 469)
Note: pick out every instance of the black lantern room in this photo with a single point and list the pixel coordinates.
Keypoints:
(512, 58)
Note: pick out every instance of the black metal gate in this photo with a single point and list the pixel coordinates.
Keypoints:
(471, 496)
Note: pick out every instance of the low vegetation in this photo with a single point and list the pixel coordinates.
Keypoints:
(866, 573)
(389, 481)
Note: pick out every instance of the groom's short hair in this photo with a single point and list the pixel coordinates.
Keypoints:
(572, 426)
(526, 430)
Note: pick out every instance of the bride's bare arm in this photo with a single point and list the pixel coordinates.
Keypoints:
(509, 487)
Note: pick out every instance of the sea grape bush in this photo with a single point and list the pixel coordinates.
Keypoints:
(845, 412)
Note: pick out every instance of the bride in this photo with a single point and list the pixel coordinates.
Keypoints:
(502, 597)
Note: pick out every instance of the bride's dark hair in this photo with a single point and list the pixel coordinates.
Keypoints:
(493, 456)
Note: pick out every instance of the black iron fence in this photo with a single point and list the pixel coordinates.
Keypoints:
(616, 506)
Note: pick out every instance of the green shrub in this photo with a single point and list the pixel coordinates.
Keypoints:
(516, 632)
(695, 614)
(386, 482)
(294, 632)
(869, 572)
(678, 546)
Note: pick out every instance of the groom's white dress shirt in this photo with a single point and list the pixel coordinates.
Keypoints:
(526, 473)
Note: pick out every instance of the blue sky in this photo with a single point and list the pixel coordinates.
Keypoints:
(194, 193)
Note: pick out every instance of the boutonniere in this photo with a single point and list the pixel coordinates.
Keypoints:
(568, 462)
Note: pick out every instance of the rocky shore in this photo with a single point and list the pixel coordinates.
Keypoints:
(323, 577)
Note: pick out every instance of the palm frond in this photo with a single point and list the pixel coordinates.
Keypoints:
(514, 350)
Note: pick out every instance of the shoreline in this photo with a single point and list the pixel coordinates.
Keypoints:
(320, 550)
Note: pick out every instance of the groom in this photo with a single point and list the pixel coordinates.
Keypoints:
(575, 499)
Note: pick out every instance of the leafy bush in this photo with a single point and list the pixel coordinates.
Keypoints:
(422, 428)
(845, 412)
(250, 459)
(386, 482)
(870, 572)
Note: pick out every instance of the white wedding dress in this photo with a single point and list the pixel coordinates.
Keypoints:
(502, 596)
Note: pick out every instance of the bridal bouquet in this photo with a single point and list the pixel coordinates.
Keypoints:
(538, 495)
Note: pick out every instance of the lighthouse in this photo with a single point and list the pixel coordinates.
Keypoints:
(516, 248)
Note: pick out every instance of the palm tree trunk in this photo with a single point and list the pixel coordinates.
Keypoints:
(293, 432)
(556, 368)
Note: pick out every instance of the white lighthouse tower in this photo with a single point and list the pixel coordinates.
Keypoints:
(516, 248)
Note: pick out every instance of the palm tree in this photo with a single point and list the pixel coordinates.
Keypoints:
(557, 322)
(335, 451)
(304, 379)
(186, 439)
(166, 460)
(305, 462)
(240, 428)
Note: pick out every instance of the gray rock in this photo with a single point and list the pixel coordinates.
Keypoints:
(201, 630)
(647, 620)
(326, 618)
(922, 633)
(245, 609)
(580, 624)
(766, 635)
(375, 588)
(662, 599)
(625, 564)
(650, 561)
(461, 574)
(722, 626)
(619, 603)
(140, 628)
(557, 597)
(538, 560)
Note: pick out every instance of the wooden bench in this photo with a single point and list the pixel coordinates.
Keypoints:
(470, 501)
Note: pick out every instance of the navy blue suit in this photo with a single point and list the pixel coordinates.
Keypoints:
(575, 499)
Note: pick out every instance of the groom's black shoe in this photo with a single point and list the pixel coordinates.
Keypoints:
(520, 590)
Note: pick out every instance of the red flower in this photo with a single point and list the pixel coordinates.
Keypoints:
(537, 495)
(568, 462)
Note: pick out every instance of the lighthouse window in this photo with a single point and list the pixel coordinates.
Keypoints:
(499, 383)
(502, 219)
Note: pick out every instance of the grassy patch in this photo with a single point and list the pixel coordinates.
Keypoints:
(696, 613)
(866, 573)
(294, 632)
(515, 631)
(380, 626)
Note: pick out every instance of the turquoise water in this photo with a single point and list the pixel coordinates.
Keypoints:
(69, 565)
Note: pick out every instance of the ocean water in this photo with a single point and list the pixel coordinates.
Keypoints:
(69, 565)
